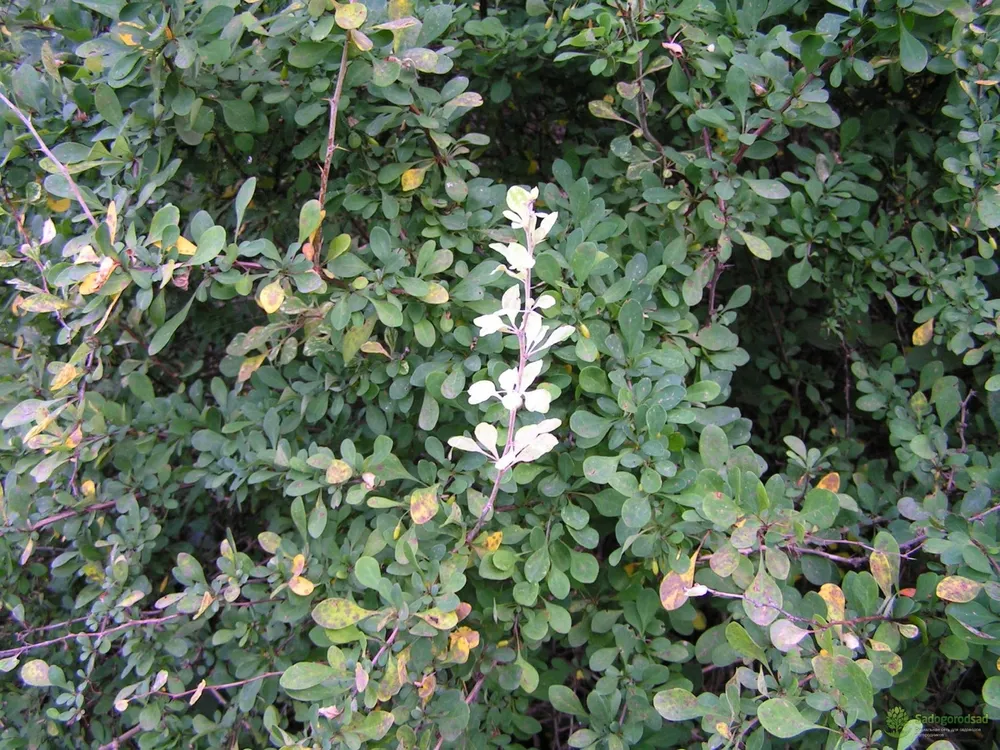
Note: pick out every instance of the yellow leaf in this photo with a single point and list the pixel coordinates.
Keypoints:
(271, 297)
(66, 375)
(111, 218)
(836, 603)
(88, 488)
(830, 482)
(298, 564)
(423, 504)
(412, 179)
(197, 693)
(249, 367)
(58, 204)
(958, 589)
(881, 568)
(338, 472)
(206, 602)
(493, 541)
(301, 586)
(438, 619)
(400, 9)
(374, 347)
(336, 614)
(351, 16)
(673, 588)
(460, 644)
(74, 438)
(395, 676)
(426, 687)
(923, 335)
(438, 295)
(186, 246)
(89, 284)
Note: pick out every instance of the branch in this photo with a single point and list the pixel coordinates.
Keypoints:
(99, 634)
(119, 741)
(766, 125)
(45, 150)
(62, 516)
(331, 145)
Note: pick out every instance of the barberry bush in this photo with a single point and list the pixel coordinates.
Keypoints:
(538, 374)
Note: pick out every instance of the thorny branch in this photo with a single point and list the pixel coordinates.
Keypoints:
(58, 164)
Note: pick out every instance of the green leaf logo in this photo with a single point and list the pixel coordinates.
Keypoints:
(895, 720)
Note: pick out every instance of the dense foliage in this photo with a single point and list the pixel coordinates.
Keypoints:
(513, 374)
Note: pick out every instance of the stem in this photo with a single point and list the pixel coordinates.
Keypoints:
(45, 150)
(331, 146)
(522, 361)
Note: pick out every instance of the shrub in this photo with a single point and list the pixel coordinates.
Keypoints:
(531, 374)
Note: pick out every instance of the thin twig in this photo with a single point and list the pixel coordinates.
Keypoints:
(45, 150)
(331, 146)
(117, 742)
(98, 634)
(63, 515)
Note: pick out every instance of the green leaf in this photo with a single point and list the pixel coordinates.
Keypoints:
(309, 54)
(589, 426)
(106, 101)
(239, 115)
(367, 572)
(141, 387)
(703, 392)
(774, 190)
(756, 245)
(566, 701)
(310, 217)
(738, 87)
(594, 380)
(677, 704)
(991, 691)
(210, 244)
(912, 53)
(743, 644)
(713, 445)
(166, 332)
(305, 675)
(781, 718)
(600, 469)
(243, 198)
(355, 337)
